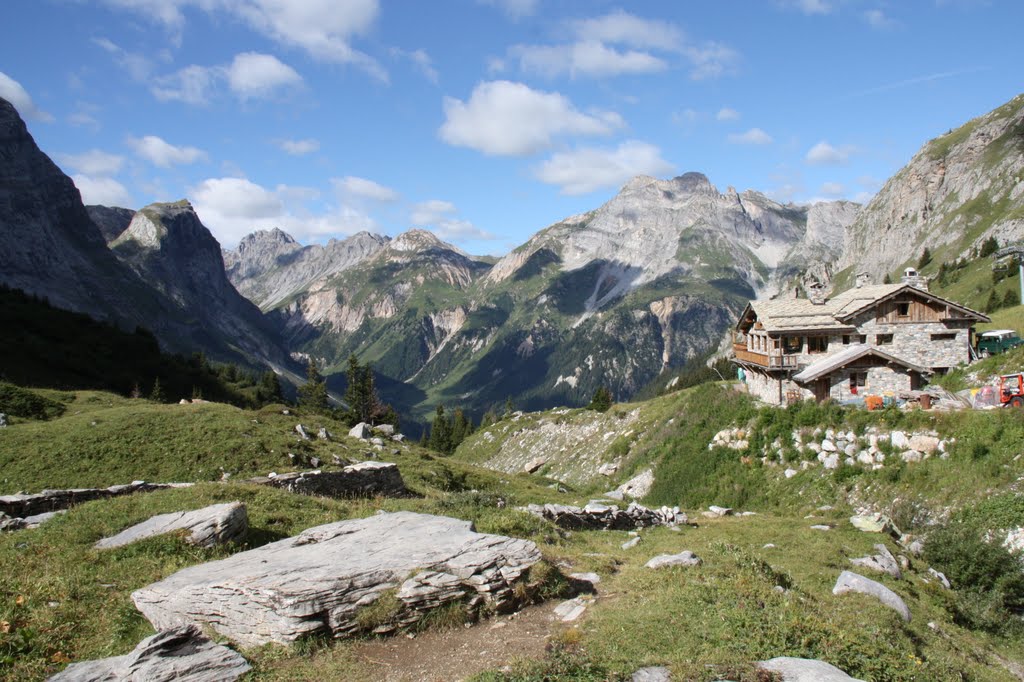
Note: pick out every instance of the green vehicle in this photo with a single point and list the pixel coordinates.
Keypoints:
(997, 341)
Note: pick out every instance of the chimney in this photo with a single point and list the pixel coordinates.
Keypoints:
(914, 279)
(863, 279)
(816, 294)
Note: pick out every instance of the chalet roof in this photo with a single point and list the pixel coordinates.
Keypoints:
(848, 355)
(835, 313)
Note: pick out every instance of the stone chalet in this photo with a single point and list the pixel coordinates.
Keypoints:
(871, 339)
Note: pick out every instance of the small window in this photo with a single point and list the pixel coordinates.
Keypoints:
(903, 309)
(857, 381)
(846, 339)
(817, 344)
(861, 338)
(883, 339)
(792, 344)
(854, 338)
(946, 336)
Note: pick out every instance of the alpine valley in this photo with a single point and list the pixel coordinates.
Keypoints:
(622, 296)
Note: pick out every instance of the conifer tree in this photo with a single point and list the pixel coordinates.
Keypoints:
(462, 427)
(269, 391)
(440, 432)
(601, 401)
(157, 394)
(313, 393)
(926, 258)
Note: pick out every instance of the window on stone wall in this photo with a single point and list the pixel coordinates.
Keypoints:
(883, 339)
(817, 344)
(857, 381)
(792, 344)
(854, 338)
(945, 336)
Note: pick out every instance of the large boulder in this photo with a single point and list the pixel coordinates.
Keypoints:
(366, 479)
(361, 431)
(883, 562)
(638, 486)
(849, 581)
(792, 669)
(207, 527)
(684, 558)
(178, 655)
(322, 579)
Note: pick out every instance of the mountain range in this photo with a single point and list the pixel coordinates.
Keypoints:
(619, 296)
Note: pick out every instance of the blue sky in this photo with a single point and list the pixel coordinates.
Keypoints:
(487, 120)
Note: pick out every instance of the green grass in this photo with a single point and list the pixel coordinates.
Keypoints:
(62, 600)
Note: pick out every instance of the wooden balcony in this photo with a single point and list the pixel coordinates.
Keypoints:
(773, 360)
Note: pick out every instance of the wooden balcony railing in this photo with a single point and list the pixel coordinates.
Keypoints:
(773, 360)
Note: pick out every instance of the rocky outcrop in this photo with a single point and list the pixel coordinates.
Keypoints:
(208, 527)
(366, 479)
(181, 654)
(269, 266)
(967, 179)
(112, 220)
(321, 580)
(22, 505)
(598, 516)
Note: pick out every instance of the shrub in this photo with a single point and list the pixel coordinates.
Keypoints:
(21, 402)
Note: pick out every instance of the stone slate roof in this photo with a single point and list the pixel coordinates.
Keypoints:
(848, 355)
(799, 314)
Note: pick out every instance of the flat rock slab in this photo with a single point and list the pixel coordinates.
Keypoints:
(320, 580)
(849, 581)
(208, 527)
(181, 654)
(805, 670)
(366, 479)
(685, 558)
(652, 674)
(21, 506)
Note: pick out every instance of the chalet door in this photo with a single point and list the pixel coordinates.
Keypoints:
(821, 389)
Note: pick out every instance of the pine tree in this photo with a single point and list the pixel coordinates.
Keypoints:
(887, 280)
(269, 391)
(602, 400)
(157, 394)
(1010, 298)
(988, 247)
(926, 258)
(313, 393)
(462, 427)
(993, 302)
(440, 432)
(490, 417)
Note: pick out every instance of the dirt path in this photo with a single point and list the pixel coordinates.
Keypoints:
(458, 653)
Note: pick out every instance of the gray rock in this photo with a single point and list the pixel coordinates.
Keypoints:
(874, 523)
(631, 543)
(534, 465)
(301, 430)
(883, 562)
(821, 526)
(180, 654)
(385, 429)
(22, 506)
(3, 420)
(571, 610)
(608, 469)
(324, 434)
(790, 473)
(320, 580)
(360, 431)
(651, 674)
(214, 525)
(805, 670)
(366, 479)
(639, 485)
(684, 558)
(597, 516)
(849, 581)
(828, 446)
(592, 578)
(830, 461)
(941, 577)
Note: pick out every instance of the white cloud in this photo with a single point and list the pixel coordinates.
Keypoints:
(876, 18)
(810, 6)
(234, 207)
(138, 66)
(93, 162)
(514, 9)
(191, 85)
(254, 75)
(361, 188)
(298, 147)
(322, 28)
(163, 154)
(824, 154)
(589, 169)
(101, 190)
(752, 136)
(460, 231)
(12, 91)
(687, 117)
(421, 60)
(250, 75)
(431, 212)
(511, 119)
(621, 43)
(727, 114)
(833, 189)
(588, 58)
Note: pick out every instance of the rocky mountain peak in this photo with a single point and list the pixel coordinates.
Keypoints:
(157, 225)
(418, 239)
(275, 236)
(693, 183)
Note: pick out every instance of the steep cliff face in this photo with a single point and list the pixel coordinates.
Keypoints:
(48, 244)
(169, 247)
(957, 191)
(112, 220)
(269, 266)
